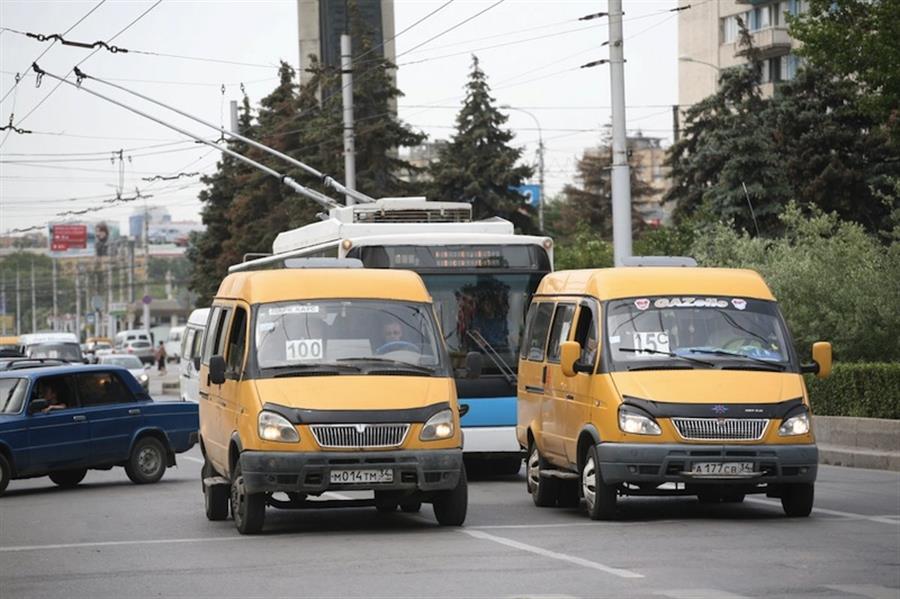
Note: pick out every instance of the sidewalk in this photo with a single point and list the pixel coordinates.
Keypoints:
(858, 442)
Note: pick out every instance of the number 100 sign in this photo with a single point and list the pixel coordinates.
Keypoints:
(297, 350)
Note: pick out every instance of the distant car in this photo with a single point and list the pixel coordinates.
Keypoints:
(70, 352)
(142, 349)
(134, 365)
(191, 343)
(106, 420)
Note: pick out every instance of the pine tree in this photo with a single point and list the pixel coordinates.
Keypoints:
(479, 165)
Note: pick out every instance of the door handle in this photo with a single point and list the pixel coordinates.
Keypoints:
(134, 411)
(79, 418)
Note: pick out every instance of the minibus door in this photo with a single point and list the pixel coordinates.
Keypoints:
(215, 442)
(582, 386)
(557, 385)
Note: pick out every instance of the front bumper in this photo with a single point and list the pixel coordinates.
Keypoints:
(310, 472)
(659, 463)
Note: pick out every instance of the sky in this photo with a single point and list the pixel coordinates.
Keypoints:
(183, 52)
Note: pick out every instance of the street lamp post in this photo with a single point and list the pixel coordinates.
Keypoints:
(540, 162)
(689, 59)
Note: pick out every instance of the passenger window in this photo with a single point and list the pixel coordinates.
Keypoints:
(215, 337)
(101, 388)
(198, 341)
(586, 333)
(537, 341)
(57, 391)
(526, 334)
(237, 339)
(208, 338)
(187, 345)
(562, 324)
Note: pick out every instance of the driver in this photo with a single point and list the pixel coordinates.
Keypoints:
(392, 336)
(49, 390)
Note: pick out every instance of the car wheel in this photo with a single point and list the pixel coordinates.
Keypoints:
(543, 490)
(147, 462)
(797, 499)
(5, 473)
(411, 506)
(450, 506)
(599, 497)
(215, 497)
(68, 478)
(247, 509)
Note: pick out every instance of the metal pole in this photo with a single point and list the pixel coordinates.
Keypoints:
(145, 316)
(18, 305)
(33, 302)
(78, 302)
(347, 91)
(3, 303)
(540, 161)
(676, 128)
(621, 178)
(110, 319)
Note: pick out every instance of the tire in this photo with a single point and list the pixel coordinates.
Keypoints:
(247, 509)
(568, 494)
(544, 491)
(450, 506)
(68, 478)
(411, 507)
(215, 498)
(147, 462)
(797, 499)
(599, 497)
(5, 473)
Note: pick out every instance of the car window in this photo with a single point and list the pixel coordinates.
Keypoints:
(55, 389)
(102, 388)
(237, 341)
(562, 323)
(198, 341)
(187, 344)
(537, 341)
(215, 338)
(586, 332)
(12, 395)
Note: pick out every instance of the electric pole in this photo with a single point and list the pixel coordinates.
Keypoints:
(347, 92)
(33, 302)
(78, 302)
(18, 305)
(55, 313)
(3, 303)
(621, 178)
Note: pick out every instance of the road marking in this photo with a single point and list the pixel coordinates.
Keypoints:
(879, 519)
(872, 591)
(119, 543)
(192, 459)
(699, 594)
(478, 534)
(573, 524)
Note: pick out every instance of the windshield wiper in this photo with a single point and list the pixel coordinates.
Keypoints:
(400, 364)
(311, 369)
(635, 350)
(722, 352)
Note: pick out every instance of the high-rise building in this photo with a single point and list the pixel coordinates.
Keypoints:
(708, 36)
(321, 23)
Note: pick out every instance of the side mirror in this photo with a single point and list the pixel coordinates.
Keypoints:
(569, 351)
(463, 409)
(821, 353)
(473, 365)
(196, 363)
(217, 370)
(37, 405)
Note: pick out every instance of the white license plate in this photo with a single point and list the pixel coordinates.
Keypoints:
(722, 468)
(355, 477)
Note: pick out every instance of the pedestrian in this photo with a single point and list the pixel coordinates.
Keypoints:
(161, 358)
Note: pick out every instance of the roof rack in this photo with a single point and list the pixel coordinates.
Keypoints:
(323, 263)
(684, 261)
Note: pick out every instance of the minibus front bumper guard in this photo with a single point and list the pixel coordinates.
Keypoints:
(672, 462)
(310, 472)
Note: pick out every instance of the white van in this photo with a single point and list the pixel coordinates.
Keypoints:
(191, 340)
(124, 337)
(59, 346)
(173, 344)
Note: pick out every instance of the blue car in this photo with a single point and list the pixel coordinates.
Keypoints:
(61, 421)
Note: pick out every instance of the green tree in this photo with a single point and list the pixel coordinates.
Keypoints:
(479, 165)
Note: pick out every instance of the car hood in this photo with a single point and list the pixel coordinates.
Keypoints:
(348, 392)
(710, 386)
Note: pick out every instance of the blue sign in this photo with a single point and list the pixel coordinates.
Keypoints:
(532, 194)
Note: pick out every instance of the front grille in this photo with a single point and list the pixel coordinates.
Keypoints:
(357, 436)
(721, 429)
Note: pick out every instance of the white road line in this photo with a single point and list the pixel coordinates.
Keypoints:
(879, 519)
(120, 543)
(478, 534)
(872, 591)
(192, 459)
(573, 525)
(699, 594)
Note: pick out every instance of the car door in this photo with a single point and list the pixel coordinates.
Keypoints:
(577, 409)
(532, 370)
(113, 413)
(58, 439)
(556, 385)
(235, 354)
(214, 440)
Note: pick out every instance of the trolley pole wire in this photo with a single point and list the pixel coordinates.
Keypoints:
(312, 194)
(325, 179)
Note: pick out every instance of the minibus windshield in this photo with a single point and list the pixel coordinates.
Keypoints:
(368, 336)
(664, 332)
(70, 352)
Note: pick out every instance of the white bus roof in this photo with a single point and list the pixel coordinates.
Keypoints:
(36, 338)
(199, 317)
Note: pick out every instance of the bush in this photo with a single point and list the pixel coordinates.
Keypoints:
(863, 390)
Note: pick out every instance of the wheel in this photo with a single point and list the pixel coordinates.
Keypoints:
(543, 490)
(599, 497)
(450, 506)
(411, 506)
(215, 497)
(5, 473)
(568, 496)
(247, 509)
(797, 499)
(147, 462)
(68, 478)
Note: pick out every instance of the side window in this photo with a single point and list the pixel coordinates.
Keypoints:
(586, 333)
(197, 343)
(562, 324)
(237, 339)
(187, 344)
(211, 327)
(101, 388)
(57, 390)
(537, 340)
(526, 334)
(214, 344)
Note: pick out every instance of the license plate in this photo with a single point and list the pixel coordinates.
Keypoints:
(355, 477)
(721, 468)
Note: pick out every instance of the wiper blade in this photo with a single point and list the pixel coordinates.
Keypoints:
(635, 350)
(318, 367)
(722, 352)
(661, 367)
(398, 363)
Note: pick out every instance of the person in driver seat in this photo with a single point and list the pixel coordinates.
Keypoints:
(50, 390)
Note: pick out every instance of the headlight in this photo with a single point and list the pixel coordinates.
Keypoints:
(439, 426)
(795, 425)
(143, 378)
(275, 427)
(632, 421)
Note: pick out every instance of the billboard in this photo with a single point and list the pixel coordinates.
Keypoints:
(78, 239)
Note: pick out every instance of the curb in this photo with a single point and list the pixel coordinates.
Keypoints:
(858, 442)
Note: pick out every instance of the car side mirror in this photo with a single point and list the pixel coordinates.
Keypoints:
(196, 363)
(821, 353)
(37, 405)
(569, 351)
(463, 409)
(217, 370)
(473, 365)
